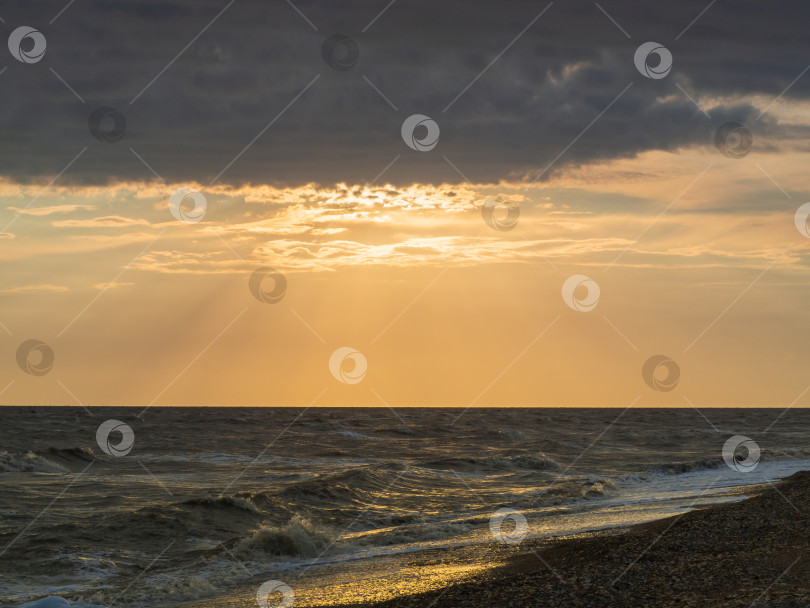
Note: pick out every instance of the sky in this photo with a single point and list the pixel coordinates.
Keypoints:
(404, 203)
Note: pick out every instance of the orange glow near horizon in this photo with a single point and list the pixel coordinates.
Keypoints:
(142, 309)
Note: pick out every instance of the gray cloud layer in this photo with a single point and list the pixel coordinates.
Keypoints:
(513, 121)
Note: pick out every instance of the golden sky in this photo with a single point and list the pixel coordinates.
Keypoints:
(696, 256)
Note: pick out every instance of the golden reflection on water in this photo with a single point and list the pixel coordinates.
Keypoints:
(379, 587)
(359, 584)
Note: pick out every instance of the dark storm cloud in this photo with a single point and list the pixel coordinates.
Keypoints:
(196, 117)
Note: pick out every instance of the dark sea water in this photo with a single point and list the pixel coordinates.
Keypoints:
(206, 503)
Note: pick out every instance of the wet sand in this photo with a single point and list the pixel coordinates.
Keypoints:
(755, 552)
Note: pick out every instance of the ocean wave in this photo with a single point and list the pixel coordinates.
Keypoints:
(198, 516)
(297, 538)
(575, 489)
(28, 462)
(536, 461)
(71, 454)
(349, 486)
(413, 533)
(767, 455)
(678, 468)
(52, 460)
(512, 434)
(596, 489)
(141, 528)
(213, 571)
(786, 453)
(221, 502)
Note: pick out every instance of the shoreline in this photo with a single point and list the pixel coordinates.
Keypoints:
(444, 576)
(699, 547)
(727, 556)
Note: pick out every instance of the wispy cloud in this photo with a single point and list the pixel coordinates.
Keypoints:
(54, 209)
(34, 289)
(105, 286)
(109, 221)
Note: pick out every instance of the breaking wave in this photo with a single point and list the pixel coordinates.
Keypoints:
(298, 538)
(52, 460)
(28, 463)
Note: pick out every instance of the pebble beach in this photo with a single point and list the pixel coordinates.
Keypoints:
(750, 553)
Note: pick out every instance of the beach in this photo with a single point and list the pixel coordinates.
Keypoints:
(363, 507)
(750, 553)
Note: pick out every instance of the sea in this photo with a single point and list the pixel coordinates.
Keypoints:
(238, 506)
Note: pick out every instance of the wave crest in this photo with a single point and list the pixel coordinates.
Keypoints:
(52, 460)
(222, 502)
(298, 538)
(28, 462)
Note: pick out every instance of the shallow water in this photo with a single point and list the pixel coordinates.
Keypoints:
(210, 502)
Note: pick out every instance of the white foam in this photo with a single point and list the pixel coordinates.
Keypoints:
(354, 435)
